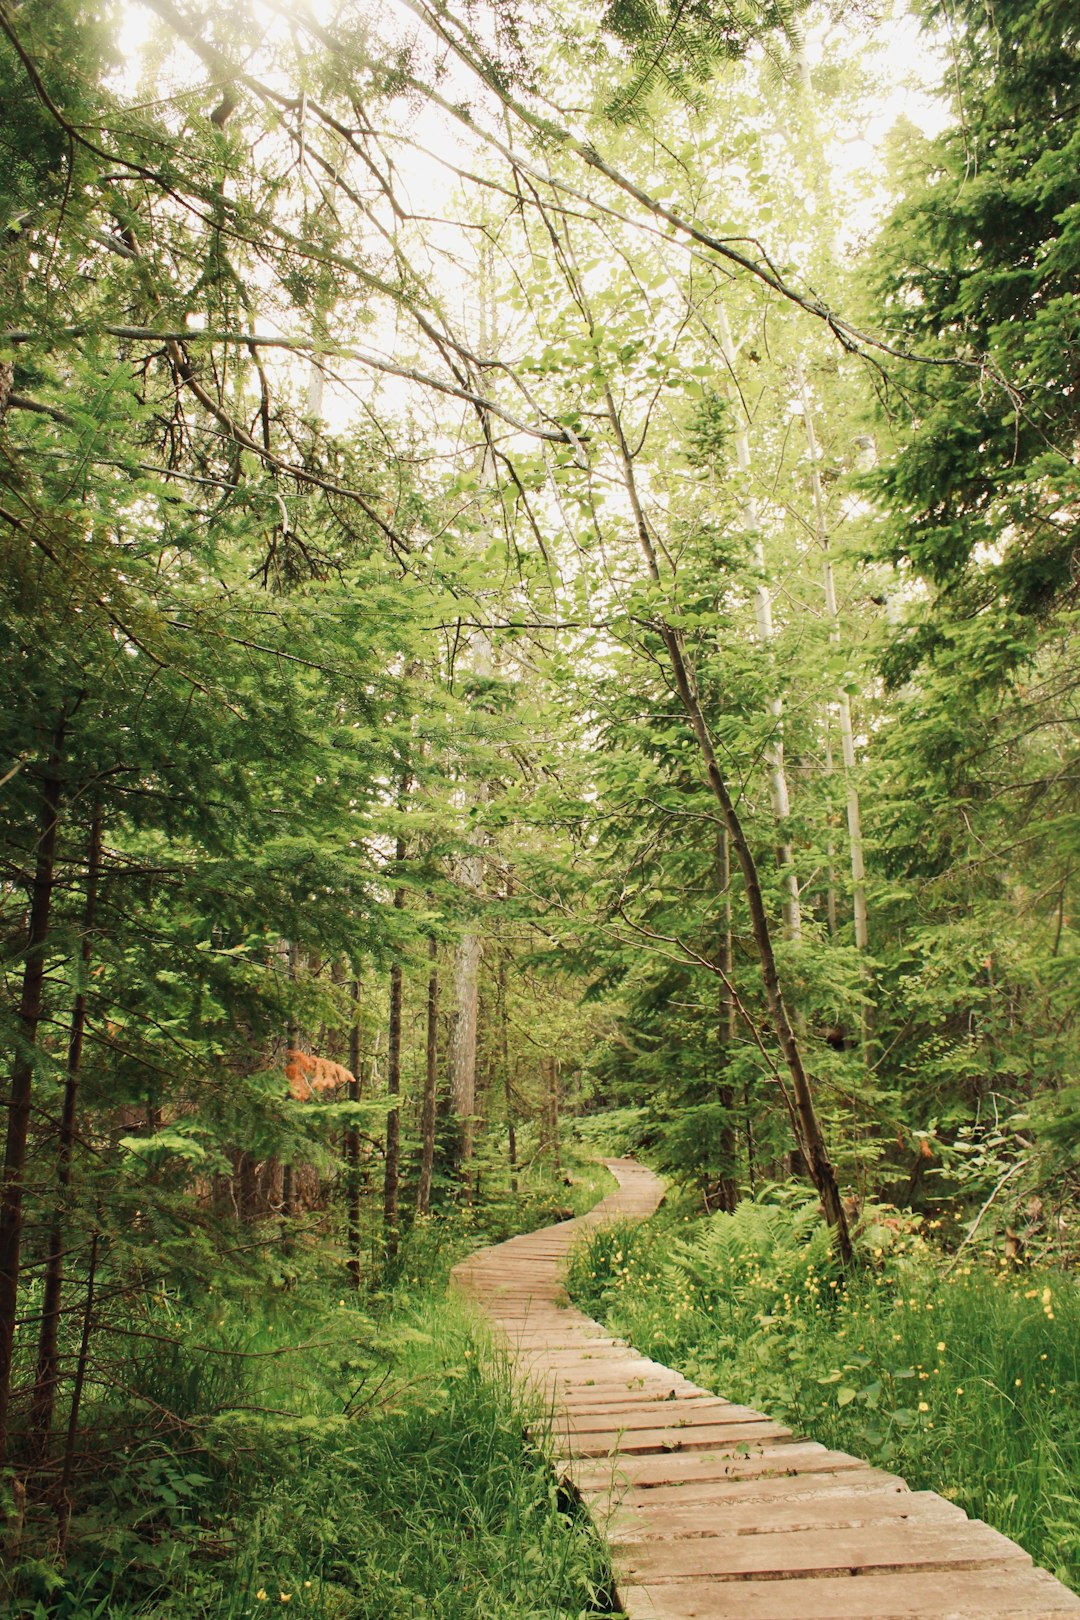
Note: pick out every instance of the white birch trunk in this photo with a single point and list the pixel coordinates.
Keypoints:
(843, 702)
(778, 783)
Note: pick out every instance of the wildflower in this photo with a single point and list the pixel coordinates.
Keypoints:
(959, 1389)
(286, 1597)
(1019, 1381)
(261, 1594)
(941, 1345)
(1047, 1296)
(924, 1406)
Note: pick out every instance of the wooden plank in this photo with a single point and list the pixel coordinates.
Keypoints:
(624, 1442)
(651, 1414)
(949, 1544)
(994, 1594)
(763, 1491)
(773, 1458)
(838, 1510)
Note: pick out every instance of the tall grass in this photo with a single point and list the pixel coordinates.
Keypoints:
(963, 1378)
(347, 1456)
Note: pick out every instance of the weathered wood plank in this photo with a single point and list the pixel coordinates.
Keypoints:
(993, 1594)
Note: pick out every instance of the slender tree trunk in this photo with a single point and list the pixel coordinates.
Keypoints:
(64, 1501)
(352, 1149)
(508, 1090)
(727, 1192)
(292, 1044)
(44, 1396)
(549, 1110)
(843, 702)
(22, 1073)
(830, 843)
(778, 782)
(461, 1055)
(804, 1116)
(392, 1173)
(751, 1148)
(431, 1081)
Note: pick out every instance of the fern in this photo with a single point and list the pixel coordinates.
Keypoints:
(759, 1246)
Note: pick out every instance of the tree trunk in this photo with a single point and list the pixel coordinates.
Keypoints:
(292, 1044)
(63, 1512)
(22, 1073)
(461, 1055)
(508, 1090)
(847, 737)
(431, 1080)
(727, 1188)
(44, 1397)
(352, 1149)
(549, 1110)
(392, 1173)
(778, 782)
(802, 1108)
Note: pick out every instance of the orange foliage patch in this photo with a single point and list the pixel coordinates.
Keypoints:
(307, 1074)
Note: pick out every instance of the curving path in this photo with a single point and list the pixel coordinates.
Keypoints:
(711, 1509)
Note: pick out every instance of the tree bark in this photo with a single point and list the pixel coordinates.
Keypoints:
(778, 782)
(64, 1504)
(727, 1189)
(508, 1090)
(22, 1073)
(431, 1081)
(461, 1055)
(549, 1110)
(843, 702)
(392, 1172)
(352, 1149)
(44, 1397)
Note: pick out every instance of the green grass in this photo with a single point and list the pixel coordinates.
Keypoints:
(964, 1380)
(295, 1450)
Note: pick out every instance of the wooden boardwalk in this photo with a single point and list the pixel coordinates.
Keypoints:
(714, 1511)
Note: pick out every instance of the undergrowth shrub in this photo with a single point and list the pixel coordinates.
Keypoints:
(963, 1378)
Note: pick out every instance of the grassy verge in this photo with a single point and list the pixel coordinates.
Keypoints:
(962, 1378)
